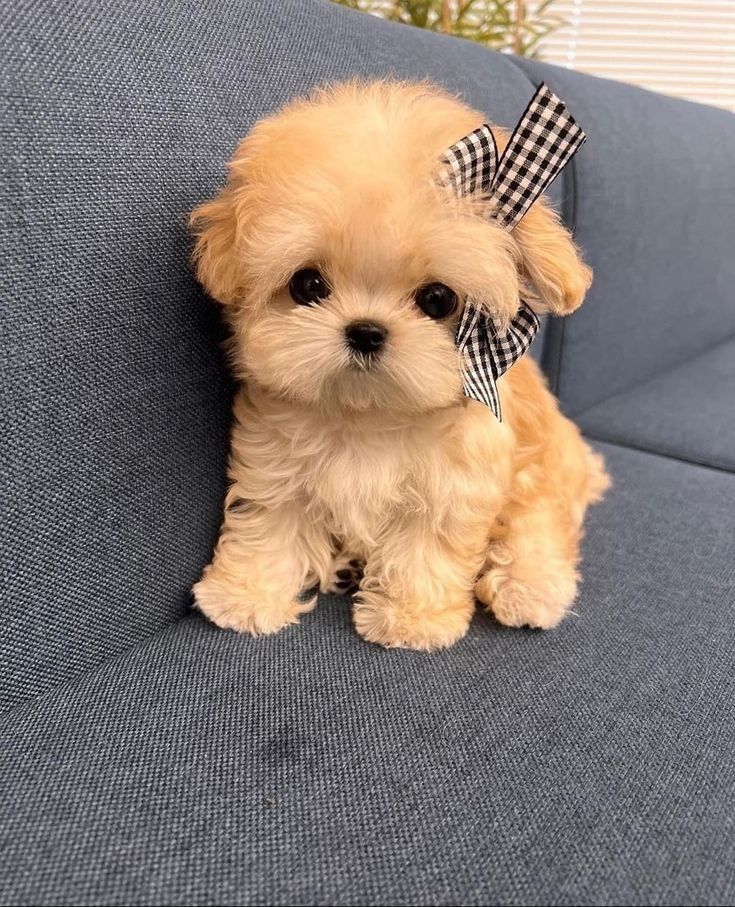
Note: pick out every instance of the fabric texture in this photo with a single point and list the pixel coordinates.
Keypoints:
(687, 412)
(486, 353)
(545, 140)
(654, 211)
(542, 143)
(149, 758)
(118, 119)
(587, 765)
(471, 164)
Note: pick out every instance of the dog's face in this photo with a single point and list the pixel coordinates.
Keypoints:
(344, 267)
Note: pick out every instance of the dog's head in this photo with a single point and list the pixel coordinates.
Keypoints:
(344, 267)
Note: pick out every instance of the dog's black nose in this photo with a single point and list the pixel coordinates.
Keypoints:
(365, 336)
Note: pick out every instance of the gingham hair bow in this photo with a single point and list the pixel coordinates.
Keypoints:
(543, 142)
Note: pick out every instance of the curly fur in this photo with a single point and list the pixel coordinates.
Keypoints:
(390, 465)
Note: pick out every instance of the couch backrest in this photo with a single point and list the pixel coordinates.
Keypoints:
(653, 205)
(119, 118)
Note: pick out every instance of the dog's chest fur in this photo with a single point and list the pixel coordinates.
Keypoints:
(360, 479)
(360, 475)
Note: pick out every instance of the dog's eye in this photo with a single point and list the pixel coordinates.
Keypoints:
(308, 287)
(436, 300)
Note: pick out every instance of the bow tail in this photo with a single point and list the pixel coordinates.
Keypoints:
(476, 359)
(485, 355)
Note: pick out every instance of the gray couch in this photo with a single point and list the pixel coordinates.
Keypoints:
(149, 758)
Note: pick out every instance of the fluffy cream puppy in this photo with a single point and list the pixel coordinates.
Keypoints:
(342, 268)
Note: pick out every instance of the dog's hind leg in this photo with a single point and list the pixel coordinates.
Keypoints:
(531, 572)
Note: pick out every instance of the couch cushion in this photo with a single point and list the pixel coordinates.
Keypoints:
(592, 764)
(118, 121)
(686, 412)
(654, 210)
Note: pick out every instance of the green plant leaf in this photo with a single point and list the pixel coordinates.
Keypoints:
(493, 23)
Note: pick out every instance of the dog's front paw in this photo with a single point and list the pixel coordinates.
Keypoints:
(247, 611)
(411, 625)
(540, 602)
(345, 577)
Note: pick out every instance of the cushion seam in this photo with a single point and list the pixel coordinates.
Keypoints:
(658, 452)
(662, 374)
(72, 682)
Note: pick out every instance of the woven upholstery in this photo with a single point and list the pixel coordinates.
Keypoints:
(147, 758)
(654, 211)
(590, 765)
(120, 118)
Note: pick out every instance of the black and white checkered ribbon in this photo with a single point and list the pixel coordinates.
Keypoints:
(487, 354)
(543, 142)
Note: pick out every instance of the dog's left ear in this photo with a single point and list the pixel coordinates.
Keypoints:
(550, 260)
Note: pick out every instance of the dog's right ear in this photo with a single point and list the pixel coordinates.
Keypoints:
(214, 225)
(551, 260)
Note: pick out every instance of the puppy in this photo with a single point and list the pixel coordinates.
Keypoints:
(342, 267)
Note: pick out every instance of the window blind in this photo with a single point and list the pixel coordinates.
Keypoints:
(686, 49)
